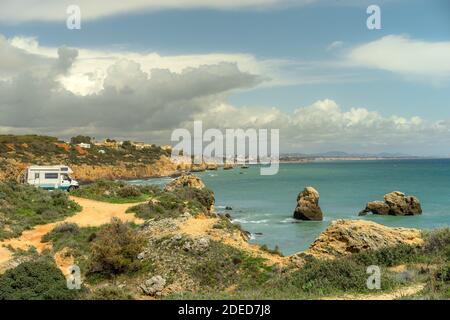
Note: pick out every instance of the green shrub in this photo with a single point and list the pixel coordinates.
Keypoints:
(109, 293)
(80, 139)
(437, 241)
(129, 191)
(67, 227)
(24, 206)
(388, 257)
(115, 249)
(37, 280)
(204, 197)
(114, 192)
(172, 204)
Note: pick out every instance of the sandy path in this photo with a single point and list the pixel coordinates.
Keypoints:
(94, 213)
(397, 294)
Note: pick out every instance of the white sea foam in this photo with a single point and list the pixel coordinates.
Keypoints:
(289, 220)
(249, 221)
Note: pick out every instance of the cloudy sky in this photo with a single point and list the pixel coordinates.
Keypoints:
(139, 69)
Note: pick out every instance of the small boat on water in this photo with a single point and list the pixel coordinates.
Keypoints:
(245, 167)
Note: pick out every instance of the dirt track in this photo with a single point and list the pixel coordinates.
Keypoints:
(94, 213)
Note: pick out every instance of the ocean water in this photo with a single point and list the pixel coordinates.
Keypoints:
(264, 205)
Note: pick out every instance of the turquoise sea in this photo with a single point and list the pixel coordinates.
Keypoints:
(264, 205)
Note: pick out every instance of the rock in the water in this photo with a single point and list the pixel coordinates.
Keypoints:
(376, 207)
(153, 286)
(345, 237)
(308, 205)
(395, 203)
(185, 181)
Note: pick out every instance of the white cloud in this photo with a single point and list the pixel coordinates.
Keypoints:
(89, 71)
(146, 96)
(132, 101)
(324, 126)
(406, 56)
(55, 10)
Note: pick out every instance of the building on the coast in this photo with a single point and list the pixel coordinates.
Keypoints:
(108, 143)
(84, 145)
(140, 145)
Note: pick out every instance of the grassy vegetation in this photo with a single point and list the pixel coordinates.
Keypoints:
(75, 240)
(115, 192)
(23, 206)
(317, 278)
(109, 292)
(173, 204)
(35, 280)
(115, 250)
(102, 252)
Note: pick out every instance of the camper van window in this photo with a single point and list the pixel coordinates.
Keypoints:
(65, 177)
(51, 176)
(36, 175)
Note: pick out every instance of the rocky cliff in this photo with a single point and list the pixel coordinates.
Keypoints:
(395, 203)
(14, 170)
(162, 167)
(345, 237)
(308, 205)
(185, 181)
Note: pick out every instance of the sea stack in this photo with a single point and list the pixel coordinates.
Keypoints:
(396, 204)
(308, 205)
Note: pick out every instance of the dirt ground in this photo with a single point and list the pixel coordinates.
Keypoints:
(94, 213)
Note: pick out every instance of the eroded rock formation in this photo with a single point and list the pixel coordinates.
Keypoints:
(395, 203)
(345, 237)
(308, 205)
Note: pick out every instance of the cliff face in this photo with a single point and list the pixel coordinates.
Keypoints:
(12, 170)
(84, 172)
(162, 167)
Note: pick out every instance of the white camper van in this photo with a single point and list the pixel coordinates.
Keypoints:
(51, 177)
